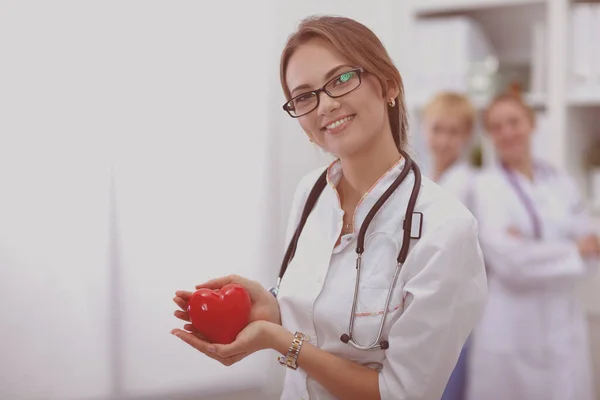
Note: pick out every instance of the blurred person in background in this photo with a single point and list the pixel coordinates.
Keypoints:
(449, 120)
(538, 245)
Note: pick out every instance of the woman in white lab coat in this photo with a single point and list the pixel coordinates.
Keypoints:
(348, 97)
(448, 121)
(538, 244)
(448, 124)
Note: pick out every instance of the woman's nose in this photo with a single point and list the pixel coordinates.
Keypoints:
(327, 104)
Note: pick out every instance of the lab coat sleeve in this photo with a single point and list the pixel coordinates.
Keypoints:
(522, 262)
(444, 301)
(527, 263)
(581, 223)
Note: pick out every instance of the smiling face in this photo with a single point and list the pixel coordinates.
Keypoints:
(447, 135)
(346, 125)
(510, 127)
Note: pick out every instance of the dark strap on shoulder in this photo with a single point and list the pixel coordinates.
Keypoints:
(311, 201)
(410, 212)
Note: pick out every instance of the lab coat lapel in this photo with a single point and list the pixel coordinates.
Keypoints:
(521, 217)
(373, 195)
(306, 273)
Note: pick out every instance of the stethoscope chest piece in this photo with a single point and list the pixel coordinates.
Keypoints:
(383, 345)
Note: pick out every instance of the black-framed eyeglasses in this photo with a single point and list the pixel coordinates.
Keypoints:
(338, 86)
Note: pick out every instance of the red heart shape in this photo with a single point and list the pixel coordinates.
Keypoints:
(220, 314)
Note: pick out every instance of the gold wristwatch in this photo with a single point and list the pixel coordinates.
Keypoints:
(290, 360)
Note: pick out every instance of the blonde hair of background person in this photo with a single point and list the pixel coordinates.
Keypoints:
(448, 121)
(539, 245)
(347, 95)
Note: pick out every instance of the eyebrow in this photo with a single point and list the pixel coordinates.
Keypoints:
(327, 76)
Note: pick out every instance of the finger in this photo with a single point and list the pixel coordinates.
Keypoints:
(196, 342)
(183, 304)
(184, 294)
(191, 328)
(218, 283)
(206, 348)
(182, 315)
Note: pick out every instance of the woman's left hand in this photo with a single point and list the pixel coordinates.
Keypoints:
(254, 337)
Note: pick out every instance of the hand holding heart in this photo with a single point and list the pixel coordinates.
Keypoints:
(219, 309)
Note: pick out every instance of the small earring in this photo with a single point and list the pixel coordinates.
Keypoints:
(392, 103)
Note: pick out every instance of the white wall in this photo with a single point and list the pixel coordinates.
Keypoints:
(190, 199)
(53, 206)
(178, 93)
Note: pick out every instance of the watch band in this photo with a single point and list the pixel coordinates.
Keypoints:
(290, 360)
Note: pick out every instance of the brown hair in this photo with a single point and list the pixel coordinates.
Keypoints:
(454, 103)
(360, 46)
(513, 95)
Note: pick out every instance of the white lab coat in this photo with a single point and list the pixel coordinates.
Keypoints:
(458, 179)
(438, 298)
(532, 342)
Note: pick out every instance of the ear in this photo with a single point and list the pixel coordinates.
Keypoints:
(393, 90)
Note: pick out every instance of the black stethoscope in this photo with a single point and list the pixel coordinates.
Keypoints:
(313, 196)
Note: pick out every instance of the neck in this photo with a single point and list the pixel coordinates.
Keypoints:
(439, 167)
(523, 165)
(362, 171)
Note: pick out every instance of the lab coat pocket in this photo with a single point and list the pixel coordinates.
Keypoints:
(370, 307)
(379, 260)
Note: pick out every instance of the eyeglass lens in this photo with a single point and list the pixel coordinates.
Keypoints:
(337, 87)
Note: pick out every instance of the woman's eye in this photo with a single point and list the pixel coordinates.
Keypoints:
(343, 78)
(303, 98)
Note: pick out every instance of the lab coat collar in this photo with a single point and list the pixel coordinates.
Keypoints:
(334, 173)
(456, 166)
(541, 171)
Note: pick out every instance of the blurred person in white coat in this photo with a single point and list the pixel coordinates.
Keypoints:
(538, 244)
(383, 278)
(449, 120)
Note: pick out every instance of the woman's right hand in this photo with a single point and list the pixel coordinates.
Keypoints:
(264, 305)
(589, 246)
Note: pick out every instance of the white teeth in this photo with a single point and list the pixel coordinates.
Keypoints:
(338, 123)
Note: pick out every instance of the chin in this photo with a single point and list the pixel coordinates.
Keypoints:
(345, 150)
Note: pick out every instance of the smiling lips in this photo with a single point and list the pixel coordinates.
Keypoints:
(338, 125)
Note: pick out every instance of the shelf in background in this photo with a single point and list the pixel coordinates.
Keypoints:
(535, 100)
(438, 8)
(584, 99)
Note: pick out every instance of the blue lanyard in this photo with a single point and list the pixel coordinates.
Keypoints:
(525, 200)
